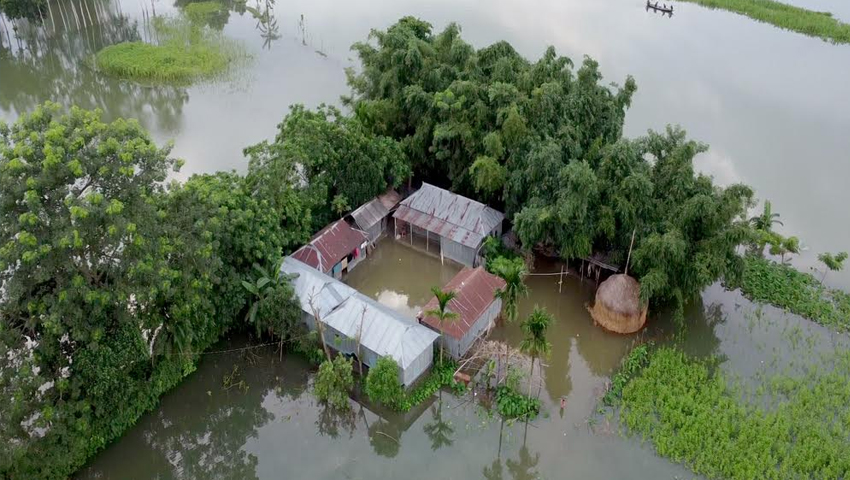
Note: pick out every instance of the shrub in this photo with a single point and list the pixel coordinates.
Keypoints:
(333, 382)
(382, 384)
(514, 405)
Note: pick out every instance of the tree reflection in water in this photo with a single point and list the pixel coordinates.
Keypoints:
(44, 64)
(438, 430)
(330, 420)
(266, 22)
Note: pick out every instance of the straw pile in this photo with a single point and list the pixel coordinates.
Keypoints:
(618, 307)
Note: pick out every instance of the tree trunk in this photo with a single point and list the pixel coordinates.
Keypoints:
(530, 376)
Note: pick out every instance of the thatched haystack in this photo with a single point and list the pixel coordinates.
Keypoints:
(618, 307)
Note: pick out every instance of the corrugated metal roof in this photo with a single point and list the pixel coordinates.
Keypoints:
(385, 331)
(475, 289)
(330, 245)
(449, 215)
(374, 210)
(308, 283)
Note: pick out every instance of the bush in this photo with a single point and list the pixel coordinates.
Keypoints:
(637, 359)
(333, 382)
(383, 386)
(514, 405)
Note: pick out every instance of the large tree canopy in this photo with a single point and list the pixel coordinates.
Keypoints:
(544, 141)
(112, 281)
(332, 157)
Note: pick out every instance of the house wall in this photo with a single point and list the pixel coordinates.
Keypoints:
(348, 346)
(417, 368)
(486, 321)
(457, 252)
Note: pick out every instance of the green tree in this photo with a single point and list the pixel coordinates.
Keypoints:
(534, 342)
(442, 313)
(834, 262)
(513, 271)
(31, 9)
(382, 384)
(767, 219)
(785, 245)
(328, 157)
(273, 309)
(333, 382)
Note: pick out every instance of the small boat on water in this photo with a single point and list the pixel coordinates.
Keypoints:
(663, 8)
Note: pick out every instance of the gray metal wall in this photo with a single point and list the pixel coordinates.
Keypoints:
(457, 348)
(457, 252)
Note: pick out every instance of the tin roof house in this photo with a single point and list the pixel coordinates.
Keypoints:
(457, 224)
(348, 315)
(476, 305)
(373, 216)
(335, 250)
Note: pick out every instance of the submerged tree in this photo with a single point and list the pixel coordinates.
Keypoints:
(513, 271)
(534, 342)
(834, 262)
(333, 382)
(442, 313)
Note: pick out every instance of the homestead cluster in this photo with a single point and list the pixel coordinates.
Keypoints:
(432, 219)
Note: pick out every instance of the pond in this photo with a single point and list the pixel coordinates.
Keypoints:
(249, 414)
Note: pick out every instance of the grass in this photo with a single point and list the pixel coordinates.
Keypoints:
(442, 375)
(185, 53)
(785, 287)
(688, 411)
(808, 22)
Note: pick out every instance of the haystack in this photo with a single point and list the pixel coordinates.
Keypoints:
(618, 307)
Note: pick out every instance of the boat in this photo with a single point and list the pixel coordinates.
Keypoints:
(663, 8)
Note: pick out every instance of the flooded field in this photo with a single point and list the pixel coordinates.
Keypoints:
(247, 414)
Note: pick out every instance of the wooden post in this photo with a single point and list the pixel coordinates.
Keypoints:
(581, 272)
(411, 233)
(630, 251)
(561, 279)
(426, 240)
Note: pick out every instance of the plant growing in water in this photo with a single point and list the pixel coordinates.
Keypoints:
(833, 262)
(442, 313)
(333, 382)
(535, 343)
(382, 384)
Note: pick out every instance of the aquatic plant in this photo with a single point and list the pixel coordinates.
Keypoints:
(513, 405)
(634, 362)
(333, 382)
(798, 292)
(808, 22)
(692, 415)
(202, 13)
(185, 53)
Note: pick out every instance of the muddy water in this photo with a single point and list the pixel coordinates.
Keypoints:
(250, 415)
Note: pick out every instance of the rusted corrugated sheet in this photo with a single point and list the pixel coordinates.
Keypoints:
(369, 214)
(449, 215)
(330, 245)
(475, 289)
(389, 199)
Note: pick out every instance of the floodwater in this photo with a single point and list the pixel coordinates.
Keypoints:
(213, 427)
(772, 105)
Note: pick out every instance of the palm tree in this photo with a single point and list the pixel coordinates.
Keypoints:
(767, 219)
(513, 272)
(535, 344)
(442, 313)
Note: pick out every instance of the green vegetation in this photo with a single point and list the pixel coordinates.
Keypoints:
(184, 54)
(383, 387)
(785, 287)
(534, 342)
(342, 162)
(206, 13)
(442, 313)
(543, 141)
(688, 410)
(833, 262)
(31, 9)
(789, 17)
(115, 281)
(634, 362)
(514, 405)
(333, 382)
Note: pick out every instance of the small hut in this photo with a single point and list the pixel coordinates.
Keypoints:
(618, 307)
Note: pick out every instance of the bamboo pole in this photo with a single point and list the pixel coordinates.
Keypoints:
(561, 279)
(62, 16)
(631, 244)
(88, 10)
(52, 18)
